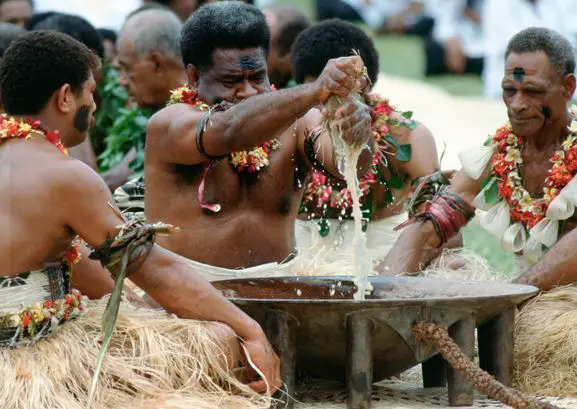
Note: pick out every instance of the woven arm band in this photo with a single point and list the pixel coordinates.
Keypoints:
(448, 213)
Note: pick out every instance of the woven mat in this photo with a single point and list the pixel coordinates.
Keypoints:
(391, 394)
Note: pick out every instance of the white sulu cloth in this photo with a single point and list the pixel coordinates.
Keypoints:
(213, 273)
(502, 19)
(333, 254)
(375, 12)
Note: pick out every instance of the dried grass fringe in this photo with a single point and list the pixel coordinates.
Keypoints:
(154, 361)
(546, 344)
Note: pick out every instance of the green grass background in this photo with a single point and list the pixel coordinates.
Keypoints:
(403, 56)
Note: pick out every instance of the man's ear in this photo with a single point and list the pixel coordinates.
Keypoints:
(64, 99)
(192, 75)
(159, 61)
(569, 84)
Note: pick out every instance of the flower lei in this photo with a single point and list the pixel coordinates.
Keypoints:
(243, 161)
(507, 164)
(323, 193)
(24, 128)
(43, 318)
(523, 223)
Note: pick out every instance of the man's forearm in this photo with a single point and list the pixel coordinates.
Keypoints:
(258, 119)
(416, 246)
(173, 283)
(557, 268)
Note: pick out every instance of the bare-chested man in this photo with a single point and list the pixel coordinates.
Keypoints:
(48, 199)
(325, 226)
(237, 202)
(523, 176)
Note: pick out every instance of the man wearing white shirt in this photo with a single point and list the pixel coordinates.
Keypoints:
(457, 43)
(100, 13)
(390, 16)
(501, 20)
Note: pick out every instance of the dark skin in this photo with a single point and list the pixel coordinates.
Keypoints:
(70, 200)
(536, 106)
(256, 222)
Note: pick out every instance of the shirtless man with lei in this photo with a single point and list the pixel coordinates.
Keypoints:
(227, 160)
(523, 177)
(49, 332)
(406, 157)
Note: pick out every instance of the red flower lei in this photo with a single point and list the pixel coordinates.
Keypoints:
(25, 128)
(507, 164)
(244, 161)
(319, 191)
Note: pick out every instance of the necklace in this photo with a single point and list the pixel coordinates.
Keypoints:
(25, 128)
(322, 193)
(507, 164)
(250, 161)
(523, 223)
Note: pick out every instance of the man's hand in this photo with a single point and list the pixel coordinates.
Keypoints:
(259, 352)
(354, 120)
(341, 76)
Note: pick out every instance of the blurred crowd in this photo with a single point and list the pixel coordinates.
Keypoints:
(142, 60)
(458, 36)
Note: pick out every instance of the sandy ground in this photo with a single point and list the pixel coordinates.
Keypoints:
(458, 122)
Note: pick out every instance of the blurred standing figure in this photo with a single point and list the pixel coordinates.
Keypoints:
(16, 12)
(457, 44)
(382, 16)
(501, 20)
(285, 23)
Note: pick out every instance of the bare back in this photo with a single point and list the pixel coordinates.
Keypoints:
(33, 231)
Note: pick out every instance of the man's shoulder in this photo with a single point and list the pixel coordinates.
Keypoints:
(74, 176)
(170, 118)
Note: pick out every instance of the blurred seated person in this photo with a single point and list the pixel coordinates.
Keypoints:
(285, 23)
(16, 12)
(383, 17)
(457, 44)
(518, 15)
(109, 38)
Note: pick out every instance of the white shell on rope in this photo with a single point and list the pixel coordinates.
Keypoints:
(497, 219)
(533, 251)
(546, 232)
(479, 202)
(475, 160)
(514, 238)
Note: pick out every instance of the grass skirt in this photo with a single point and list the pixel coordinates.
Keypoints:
(154, 361)
(546, 344)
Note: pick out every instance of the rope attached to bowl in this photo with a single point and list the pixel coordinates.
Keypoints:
(438, 335)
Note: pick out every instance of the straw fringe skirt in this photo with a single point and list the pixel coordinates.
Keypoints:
(154, 361)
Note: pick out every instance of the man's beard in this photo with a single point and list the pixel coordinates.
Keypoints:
(82, 119)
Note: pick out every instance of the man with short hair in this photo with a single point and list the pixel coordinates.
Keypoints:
(228, 159)
(523, 176)
(47, 86)
(16, 12)
(286, 23)
(149, 57)
(406, 156)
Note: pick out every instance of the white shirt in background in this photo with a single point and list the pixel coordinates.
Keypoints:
(502, 19)
(100, 13)
(451, 23)
(375, 12)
